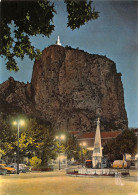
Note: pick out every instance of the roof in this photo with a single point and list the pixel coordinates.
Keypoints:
(136, 130)
(110, 134)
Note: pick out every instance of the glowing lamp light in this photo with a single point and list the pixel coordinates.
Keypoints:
(62, 137)
(14, 123)
(21, 122)
(83, 144)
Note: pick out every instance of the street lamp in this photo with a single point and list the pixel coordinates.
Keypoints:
(60, 138)
(18, 123)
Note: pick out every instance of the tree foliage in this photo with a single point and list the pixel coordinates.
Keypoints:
(40, 140)
(35, 161)
(125, 143)
(22, 19)
(35, 138)
(7, 136)
(71, 147)
(80, 12)
(25, 22)
(84, 155)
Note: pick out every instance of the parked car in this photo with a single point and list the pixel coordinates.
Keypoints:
(103, 164)
(88, 163)
(74, 163)
(3, 172)
(22, 167)
(7, 169)
(119, 164)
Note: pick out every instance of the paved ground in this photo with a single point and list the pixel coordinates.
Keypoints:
(57, 183)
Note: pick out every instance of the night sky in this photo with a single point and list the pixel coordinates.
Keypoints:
(114, 34)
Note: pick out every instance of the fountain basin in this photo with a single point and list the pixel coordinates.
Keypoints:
(96, 172)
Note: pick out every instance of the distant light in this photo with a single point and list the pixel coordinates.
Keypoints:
(62, 137)
(14, 123)
(90, 148)
(21, 122)
(84, 144)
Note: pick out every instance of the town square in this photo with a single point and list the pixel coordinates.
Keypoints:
(68, 97)
(57, 183)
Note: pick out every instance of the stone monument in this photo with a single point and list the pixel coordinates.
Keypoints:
(58, 41)
(97, 151)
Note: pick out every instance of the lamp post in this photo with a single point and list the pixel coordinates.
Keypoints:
(18, 123)
(59, 138)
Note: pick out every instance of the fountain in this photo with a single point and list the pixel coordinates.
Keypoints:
(96, 169)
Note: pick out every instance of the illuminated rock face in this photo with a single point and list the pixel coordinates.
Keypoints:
(71, 89)
(16, 97)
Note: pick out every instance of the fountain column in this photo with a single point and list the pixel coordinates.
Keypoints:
(97, 151)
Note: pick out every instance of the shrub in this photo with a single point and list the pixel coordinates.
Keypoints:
(35, 162)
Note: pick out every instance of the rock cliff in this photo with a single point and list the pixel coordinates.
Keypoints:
(70, 89)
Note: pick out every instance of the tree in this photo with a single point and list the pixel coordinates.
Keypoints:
(41, 140)
(71, 147)
(19, 21)
(111, 149)
(73, 150)
(124, 143)
(83, 154)
(36, 138)
(7, 138)
(127, 142)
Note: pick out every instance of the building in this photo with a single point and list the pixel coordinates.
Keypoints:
(89, 137)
